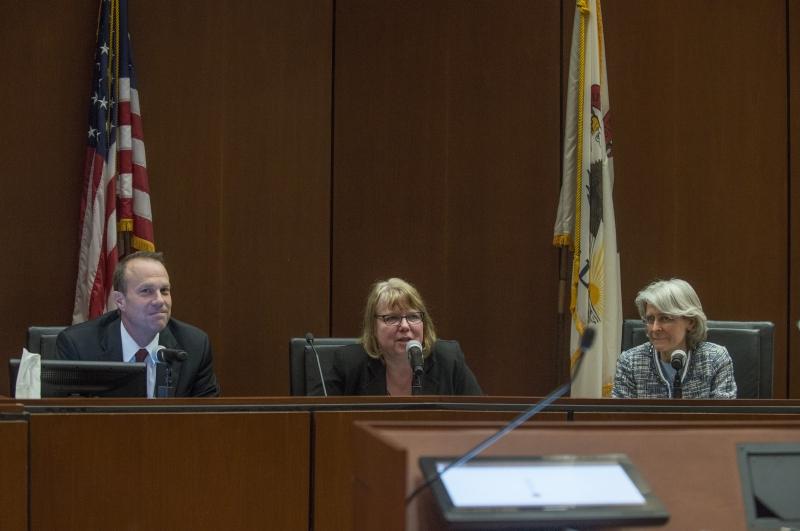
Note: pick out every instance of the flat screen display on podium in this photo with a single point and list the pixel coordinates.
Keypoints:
(770, 474)
(62, 378)
(547, 491)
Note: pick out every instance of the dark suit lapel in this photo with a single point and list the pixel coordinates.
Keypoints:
(375, 379)
(111, 341)
(430, 382)
(166, 339)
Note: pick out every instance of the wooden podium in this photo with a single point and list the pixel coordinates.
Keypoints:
(149, 470)
(691, 466)
(14, 467)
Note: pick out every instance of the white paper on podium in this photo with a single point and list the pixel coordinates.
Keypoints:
(541, 485)
(29, 382)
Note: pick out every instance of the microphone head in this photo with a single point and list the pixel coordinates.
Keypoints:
(170, 354)
(587, 339)
(677, 359)
(414, 353)
(309, 337)
(412, 345)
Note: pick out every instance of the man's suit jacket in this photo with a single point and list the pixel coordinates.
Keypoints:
(101, 340)
(354, 372)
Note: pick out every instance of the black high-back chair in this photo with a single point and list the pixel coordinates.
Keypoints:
(303, 371)
(748, 342)
(42, 340)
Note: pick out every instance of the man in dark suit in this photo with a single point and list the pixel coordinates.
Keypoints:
(141, 324)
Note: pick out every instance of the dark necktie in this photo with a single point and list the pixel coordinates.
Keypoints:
(141, 355)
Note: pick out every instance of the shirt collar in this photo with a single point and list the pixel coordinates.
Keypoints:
(130, 347)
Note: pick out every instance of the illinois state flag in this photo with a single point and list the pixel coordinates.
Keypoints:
(116, 193)
(585, 221)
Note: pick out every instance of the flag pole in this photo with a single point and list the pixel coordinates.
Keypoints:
(563, 318)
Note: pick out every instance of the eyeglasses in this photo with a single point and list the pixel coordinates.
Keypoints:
(394, 320)
(663, 320)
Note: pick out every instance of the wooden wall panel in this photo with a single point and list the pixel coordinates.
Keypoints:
(244, 175)
(46, 66)
(442, 166)
(14, 480)
(209, 471)
(446, 170)
(698, 95)
(179, 53)
(237, 119)
(275, 218)
(793, 293)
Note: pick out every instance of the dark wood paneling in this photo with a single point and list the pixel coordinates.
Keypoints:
(180, 50)
(236, 108)
(206, 471)
(14, 479)
(446, 173)
(46, 66)
(243, 178)
(446, 161)
(276, 213)
(793, 293)
(698, 93)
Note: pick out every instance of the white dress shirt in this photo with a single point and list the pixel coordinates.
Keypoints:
(129, 349)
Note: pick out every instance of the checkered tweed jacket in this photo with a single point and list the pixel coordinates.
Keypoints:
(708, 373)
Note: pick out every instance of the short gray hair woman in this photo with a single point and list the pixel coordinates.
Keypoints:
(677, 298)
(674, 317)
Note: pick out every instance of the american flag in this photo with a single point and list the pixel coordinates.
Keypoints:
(116, 194)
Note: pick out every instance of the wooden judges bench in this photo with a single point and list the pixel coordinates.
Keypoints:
(291, 463)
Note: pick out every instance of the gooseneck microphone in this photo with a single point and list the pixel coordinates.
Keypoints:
(310, 341)
(414, 352)
(586, 343)
(166, 357)
(678, 360)
(169, 355)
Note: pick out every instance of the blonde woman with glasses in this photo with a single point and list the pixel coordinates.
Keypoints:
(395, 315)
(675, 322)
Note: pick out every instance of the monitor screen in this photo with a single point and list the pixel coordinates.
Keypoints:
(770, 479)
(558, 490)
(62, 378)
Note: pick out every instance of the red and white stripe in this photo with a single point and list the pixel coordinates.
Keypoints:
(98, 249)
(133, 190)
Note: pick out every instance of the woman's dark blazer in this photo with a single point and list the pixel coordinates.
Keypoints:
(354, 372)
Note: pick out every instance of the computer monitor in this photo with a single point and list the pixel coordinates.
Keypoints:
(64, 378)
(531, 492)
(769, 474)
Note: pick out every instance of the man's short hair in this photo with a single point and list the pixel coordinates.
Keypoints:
(118, 280)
